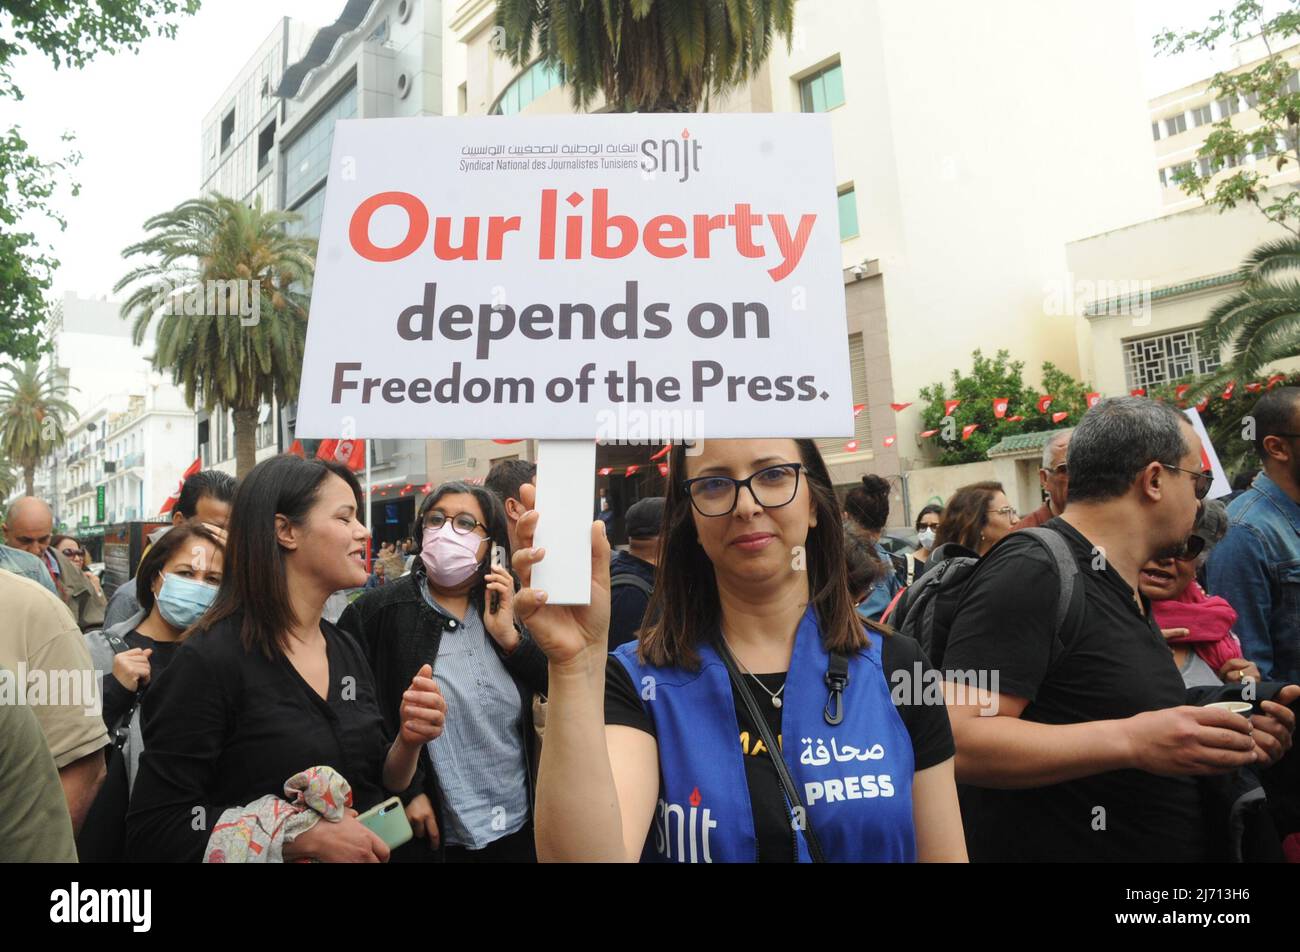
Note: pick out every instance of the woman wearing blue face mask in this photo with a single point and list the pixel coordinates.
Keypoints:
(176, 583)
(471, 799)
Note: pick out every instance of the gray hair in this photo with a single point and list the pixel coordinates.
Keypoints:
(1052, 443)
(1212, 526)
(1116, 439)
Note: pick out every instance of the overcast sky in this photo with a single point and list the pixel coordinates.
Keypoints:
(137, 117)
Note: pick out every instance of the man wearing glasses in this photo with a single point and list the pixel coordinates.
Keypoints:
(1054, 477)
(1257, 565)
(1093, 748)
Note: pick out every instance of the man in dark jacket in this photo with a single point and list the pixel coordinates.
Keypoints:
(632, 573)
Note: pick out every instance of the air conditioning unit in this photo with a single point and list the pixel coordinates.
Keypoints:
(472, 462)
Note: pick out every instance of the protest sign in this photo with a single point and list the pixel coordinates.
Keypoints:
(622, 277)
(1209, 457)
(635, 278)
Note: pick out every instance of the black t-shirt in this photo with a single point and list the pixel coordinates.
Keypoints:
(224, 727)
(117, 699)
(1114, 665)
(927, 725)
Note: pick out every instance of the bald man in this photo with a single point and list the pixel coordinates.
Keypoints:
(29, 526)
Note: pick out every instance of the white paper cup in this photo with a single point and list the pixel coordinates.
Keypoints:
(1237, 707)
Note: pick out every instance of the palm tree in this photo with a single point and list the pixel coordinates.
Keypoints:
(198, 251)
(645, 55)
(8, 479)
(33, 409)
(1262, 320)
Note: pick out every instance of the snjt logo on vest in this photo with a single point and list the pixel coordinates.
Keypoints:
(684, 827)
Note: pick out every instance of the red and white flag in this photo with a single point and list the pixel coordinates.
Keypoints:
(170, 502)
(1092, 399)
(968, 430)
(1058, 417)
(1000, 405)
(949, 406)
(1045, 403)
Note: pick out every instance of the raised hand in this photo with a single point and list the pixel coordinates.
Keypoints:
(564, 632)
(501, 623)
(423, 711)
(131, 668)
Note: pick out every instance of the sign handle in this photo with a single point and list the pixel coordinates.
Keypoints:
(566, 486)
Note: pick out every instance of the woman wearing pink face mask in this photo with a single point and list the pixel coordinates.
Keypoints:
(472, 796)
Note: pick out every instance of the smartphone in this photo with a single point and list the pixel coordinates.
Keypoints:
(498, 561)
(388, 821)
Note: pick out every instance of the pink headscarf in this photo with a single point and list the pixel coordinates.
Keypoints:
(1209, 619)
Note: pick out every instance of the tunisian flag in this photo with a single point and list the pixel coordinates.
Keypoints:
(194, 467)
(351, 453)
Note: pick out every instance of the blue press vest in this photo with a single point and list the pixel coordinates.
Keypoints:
(855, 778)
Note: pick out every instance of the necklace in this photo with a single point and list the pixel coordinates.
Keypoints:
(775, 696)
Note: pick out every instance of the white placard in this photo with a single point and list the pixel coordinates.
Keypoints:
(623, 277)
(565, 479)
(1209, 456)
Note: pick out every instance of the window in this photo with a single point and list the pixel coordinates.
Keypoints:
(265, 143)
(453, 451)
(1205, 167)
(1164, 178)
(822, 90)
(1151, 361)
(1228, 107)
(1292, 83)
(1155, 131)
(266, 89)
(311, 210)
(1252, 99)
(227, 130)
(831, 446)
(1176, 124)
(535, 81)
(462, 99)
(306, 159)
(848, 201)
(1202, 115)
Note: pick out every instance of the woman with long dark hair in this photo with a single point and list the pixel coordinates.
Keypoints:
(264, 694)
(471, 798)
(754, 720)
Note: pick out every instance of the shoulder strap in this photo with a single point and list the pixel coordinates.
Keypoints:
(1067, 570)
(115, 642)
(773, 751)
(628, 578)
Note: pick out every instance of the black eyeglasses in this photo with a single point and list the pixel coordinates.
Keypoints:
(72, 553)
(1203, 480)
(1192, 548)
(771, 487)
(463, 524)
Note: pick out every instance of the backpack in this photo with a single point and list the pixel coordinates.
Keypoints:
(627, 578)
(927, 609)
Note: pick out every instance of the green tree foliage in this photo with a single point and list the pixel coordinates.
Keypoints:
(70, 33)
(645, 55)
(1259, 323)
(1226, 420)
(33, 411)
(1272, 90)
(991, 379)
(217, 356)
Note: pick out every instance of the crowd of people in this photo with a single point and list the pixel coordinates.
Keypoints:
(1113, 677)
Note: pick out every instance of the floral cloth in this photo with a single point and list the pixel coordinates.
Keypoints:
(259, 831)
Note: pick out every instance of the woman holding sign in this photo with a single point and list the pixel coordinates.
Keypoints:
(755, 720)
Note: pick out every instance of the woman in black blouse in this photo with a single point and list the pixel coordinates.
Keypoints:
(263, 687)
